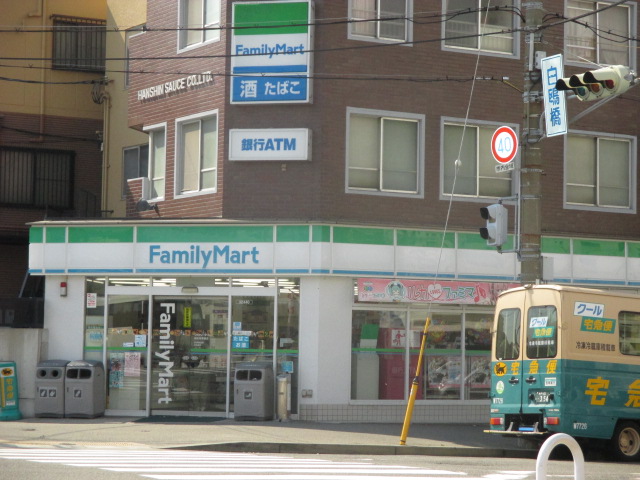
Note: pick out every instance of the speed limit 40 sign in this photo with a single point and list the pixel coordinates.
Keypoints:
(504, 144)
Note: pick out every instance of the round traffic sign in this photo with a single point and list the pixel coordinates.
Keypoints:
(504, 144)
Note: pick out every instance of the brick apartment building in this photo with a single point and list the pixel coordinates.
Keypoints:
(291, 202)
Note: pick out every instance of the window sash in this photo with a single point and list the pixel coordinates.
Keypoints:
(157, 162)
(135, 164)
(472, 24)
(395, 29)
(383, 154)
(592, 182)
(582, 43)
(198, 155)
(129, 34)
(476, 175)
(203, 16)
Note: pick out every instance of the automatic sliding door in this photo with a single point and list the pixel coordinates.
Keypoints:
(127, 331)
(189, 354)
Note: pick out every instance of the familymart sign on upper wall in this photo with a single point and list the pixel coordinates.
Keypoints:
(270, 52)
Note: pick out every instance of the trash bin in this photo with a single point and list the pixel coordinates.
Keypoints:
(9, 396)
(253, 387)
(84, 389)
(49, 401)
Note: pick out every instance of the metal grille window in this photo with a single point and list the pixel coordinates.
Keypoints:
(79, 43)
(36, 178)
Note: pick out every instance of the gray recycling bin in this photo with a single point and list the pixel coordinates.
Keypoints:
(253, 388)
(85, 392)
(49, 401)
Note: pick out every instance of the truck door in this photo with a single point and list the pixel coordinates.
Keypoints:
(538, 376)
(507, 372)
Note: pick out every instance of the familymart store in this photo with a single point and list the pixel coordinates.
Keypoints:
(172, 309)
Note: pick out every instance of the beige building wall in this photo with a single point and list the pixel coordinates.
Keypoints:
(46, 97)
(123, 15)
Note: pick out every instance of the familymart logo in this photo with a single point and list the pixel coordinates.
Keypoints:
(204, 257)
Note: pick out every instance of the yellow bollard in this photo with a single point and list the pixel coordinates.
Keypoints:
(414, 386)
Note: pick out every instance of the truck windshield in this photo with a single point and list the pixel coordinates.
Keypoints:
(508, 334)
(542, 332)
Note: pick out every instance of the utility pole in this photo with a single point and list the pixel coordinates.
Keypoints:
(531, 158)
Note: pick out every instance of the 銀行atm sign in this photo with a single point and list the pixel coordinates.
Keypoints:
(271, 60)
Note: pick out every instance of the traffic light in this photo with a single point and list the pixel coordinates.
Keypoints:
(495, 232)
(596, 84)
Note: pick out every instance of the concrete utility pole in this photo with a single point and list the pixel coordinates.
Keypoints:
(531, 158)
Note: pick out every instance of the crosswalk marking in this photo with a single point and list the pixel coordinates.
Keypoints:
(201, 465)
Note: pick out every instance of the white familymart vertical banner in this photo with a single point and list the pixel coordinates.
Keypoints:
(270, 52)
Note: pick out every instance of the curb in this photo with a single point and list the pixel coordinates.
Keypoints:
(337, 449)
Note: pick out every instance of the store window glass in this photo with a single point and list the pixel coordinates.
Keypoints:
(378, 355)
(94, 318)
(443, 372)
(477, 379)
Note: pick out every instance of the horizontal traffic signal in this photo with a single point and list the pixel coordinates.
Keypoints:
(600, 83)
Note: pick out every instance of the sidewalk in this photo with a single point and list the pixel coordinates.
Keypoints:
(260, 436)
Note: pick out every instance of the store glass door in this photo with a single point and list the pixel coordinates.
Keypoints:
(127, 349)
(189, 351)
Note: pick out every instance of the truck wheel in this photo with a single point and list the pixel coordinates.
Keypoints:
(626, 442)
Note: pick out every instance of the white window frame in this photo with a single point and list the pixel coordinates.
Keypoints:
(124, 178)
(473, 124)
(156, 177)
(408, 35)
(182, 22)
(633, 166)
(515, 26)
(593, 20)
(128, 35)
(390, 115)
(179, 162)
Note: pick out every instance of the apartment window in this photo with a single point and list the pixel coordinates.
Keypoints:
(136, 164)
(199, 22)
(129, 34)
(384, 152)
(602, 38)
(388, 19)
(477, 27)
(197, 153)
(36, 178)
(476, 176)
(600, 172)
(79, 43)
(157, 159)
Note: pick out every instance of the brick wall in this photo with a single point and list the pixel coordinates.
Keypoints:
(426, 83)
